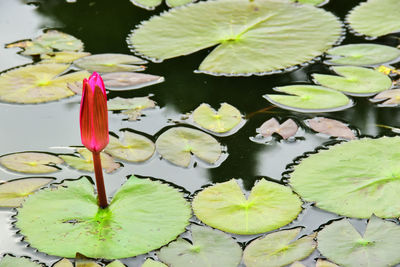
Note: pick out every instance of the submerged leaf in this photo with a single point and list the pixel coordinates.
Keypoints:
(222, 121)
(129, 80)
(278, 249)
(153, 263)
(269, 206)
(177, 144)
(14, 192)
(208, 248)
(131, 106)
(38, 83)
(378, 246)
(287, 129)
(248, 34)
(356, 178)
(143, 216)
(11, 261)
(31, 162)
(331, 127)
(392, 97)
(110, 63)
(62, 57)
(309, 98)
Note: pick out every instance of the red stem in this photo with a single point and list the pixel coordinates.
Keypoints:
(101, 190)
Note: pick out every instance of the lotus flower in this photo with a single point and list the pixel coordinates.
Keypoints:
(94, 127)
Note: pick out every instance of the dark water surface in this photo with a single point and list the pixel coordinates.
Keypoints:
(103, 26)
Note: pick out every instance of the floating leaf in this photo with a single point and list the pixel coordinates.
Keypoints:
(222, 121)
(331, 127)
(287, 129)
(110, 63)
(177, 144)
(131, 106)
(133, 147)
(62, 57)
(355, 80)
(63, 263)
(31, 162)
(86, 263)
(375, 17)
(11, 261)
(392, 97)
(363, 54)
(151, 4)
(322, 263)
(85, 161)
(37, 83)
(14, 192)
(378, 246)
(248, 34)
(297, 264)
(115, 263)
(143, 215)
(269, 206)
(153, 263)
(278, 249)
(30, 47)
(311, 2)
(129, 80)
(356, 178)
(309, 98)
(208, 248)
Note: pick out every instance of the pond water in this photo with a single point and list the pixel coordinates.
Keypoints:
(103, 26)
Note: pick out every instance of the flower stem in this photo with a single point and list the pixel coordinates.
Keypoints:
(101, 190)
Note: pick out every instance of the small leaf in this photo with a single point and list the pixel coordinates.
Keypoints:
(131, 106)
(178, 143)
(208, 248)
(287, 129)
(31, 162)
(153, 263)
(323, 263)
(269, 206)
(279, 249)
(85, 161)
(331, 127)
(355, 80)
(133, 147)
(110, 63)
(62, 57)
(115, 263)
(222, 121)
(30, 48)
(63, 263)
(387, 70)
(392, 97)
(129, 80)
(11, 261)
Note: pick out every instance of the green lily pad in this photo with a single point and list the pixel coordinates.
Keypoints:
(129, 80)
(153, 263)
(179, 143)
(248, 34)
(378, 246)
(355, 80)
(142, 216)
(279, 249)
(362, 54)
(133, 147)
(62, 57)
(356, 178)
(309, 98)
(110, 63)
(38, 83)
(131, 107)
(152, 4)
(14, 192)
(11, 261)
(222, 121)
(85, 161)
(208, 248)
(31, 162)
(269, 206)
(375, 17)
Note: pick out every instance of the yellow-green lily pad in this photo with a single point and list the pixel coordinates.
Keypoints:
(153, 263)
(110, 63)
(12, 261)
(131, 107)
(62, 57)
(31, 162)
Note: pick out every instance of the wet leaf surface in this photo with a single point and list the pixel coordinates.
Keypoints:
(11, 261)
(279, 249)
(131, 107)
(31, 162)
(74, 222)
(110, 63)
(391, 97)
(224, 206)
(331, 127)
(129, 80)
(287, 129)
(208, 248)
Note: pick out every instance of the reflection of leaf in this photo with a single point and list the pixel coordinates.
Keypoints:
(177, 144)
(286, 129)
(208, 248)
(392, 97)
(153, 263)
(110, 63)
(85, 161)
(151, 4)
(378, 246)
(131, 106)
(309, 98)
(38, 83)
(222, 121)
(62, 57)
(142, 216)
(129, 80)
(350, 177)
(248, 35)
(375, 17)
(278, 249)
(13, 193)
(269, 206)
(11, 261)
(331, 127)
(31, 162)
